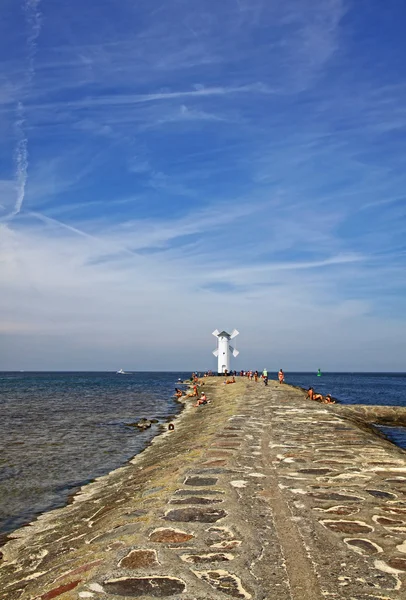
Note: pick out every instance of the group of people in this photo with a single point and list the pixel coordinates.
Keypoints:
(254, 376)
(327, 399)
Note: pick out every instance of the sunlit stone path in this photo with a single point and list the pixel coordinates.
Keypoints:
(260, 494)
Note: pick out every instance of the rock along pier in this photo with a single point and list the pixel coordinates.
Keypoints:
(261, 494)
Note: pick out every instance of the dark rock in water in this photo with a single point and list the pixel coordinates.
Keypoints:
(142, 424)
(154, 421)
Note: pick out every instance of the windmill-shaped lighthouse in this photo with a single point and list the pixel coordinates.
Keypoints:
(224, 349)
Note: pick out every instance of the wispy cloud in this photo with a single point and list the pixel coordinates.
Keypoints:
(21, 160)
(216, 162)
(33, 21)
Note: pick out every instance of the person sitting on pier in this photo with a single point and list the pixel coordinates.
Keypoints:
(178, 393)
(313, 395)
(202, 400)
(231, 380)
(310, 393)
(328, 399)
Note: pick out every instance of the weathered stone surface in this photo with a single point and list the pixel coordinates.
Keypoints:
(218, 454)
(394, 509)
(211, 471)
(196, 500)
(202, 481)
(337, 496)
(208, 557)
(397, 563)
(133, 587)
(221, 533)
(201, 515)
(81, 569)
(387, 521)
(197, 492)
(117, 532)
(315, 471)
(224, 582)
(340, 510)
(58, 591)
(347, 526)
(382, 494)
(139, 559)
(230, 445)
(215, 463)
(170, 536)
(365, 547)
(227, 544)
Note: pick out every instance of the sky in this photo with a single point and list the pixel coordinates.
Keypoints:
(172, 167)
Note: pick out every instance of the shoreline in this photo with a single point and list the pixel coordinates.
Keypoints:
(372, 427)
(69, 499)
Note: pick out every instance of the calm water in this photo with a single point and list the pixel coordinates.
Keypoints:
(60, 430)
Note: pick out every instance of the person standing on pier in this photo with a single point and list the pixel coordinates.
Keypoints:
(281, 376)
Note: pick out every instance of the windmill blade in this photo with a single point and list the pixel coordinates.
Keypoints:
(215, 332)
(216, 352)
(236, 352)
(234, 333)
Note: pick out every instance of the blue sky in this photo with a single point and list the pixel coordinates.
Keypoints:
(168, 168)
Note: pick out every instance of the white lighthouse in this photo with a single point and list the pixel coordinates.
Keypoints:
(224, 349)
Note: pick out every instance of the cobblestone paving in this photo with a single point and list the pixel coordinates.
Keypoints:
(260, 494)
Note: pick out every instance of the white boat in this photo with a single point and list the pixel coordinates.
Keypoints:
(121, 372)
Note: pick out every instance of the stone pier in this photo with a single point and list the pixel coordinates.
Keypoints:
(260, 494)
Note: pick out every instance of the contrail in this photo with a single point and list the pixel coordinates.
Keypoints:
(33, 23)
(21, 159)
(80, 232)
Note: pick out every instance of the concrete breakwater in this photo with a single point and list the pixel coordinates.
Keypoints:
(260, 494)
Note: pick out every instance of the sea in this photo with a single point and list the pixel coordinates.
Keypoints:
(59, 431)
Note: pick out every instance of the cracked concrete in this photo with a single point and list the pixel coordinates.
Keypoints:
(261, 494)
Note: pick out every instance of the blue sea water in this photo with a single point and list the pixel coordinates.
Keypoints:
(59, 431)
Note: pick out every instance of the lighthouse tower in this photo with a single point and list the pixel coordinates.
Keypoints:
(224, 350)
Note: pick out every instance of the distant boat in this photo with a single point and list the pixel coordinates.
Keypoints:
(319, 373)
(121, 372)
